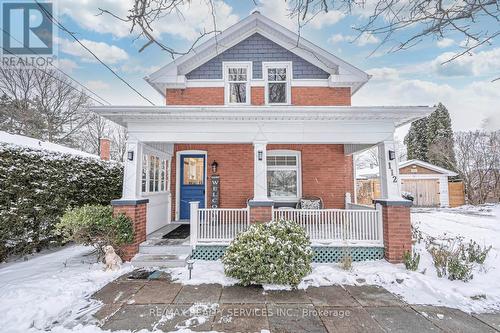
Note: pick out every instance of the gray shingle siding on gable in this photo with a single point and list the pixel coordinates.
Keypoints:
(257, 49)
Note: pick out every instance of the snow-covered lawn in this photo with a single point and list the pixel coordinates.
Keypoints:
(52, 292)
(481, 224)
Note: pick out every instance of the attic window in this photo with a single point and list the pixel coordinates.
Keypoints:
(237, 82)
(277, 76)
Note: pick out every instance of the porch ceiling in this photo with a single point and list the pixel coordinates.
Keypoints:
(279, 124)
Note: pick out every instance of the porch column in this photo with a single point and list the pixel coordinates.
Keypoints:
(390, 184)
(260, 171)
(260, 206)
(132, 170)
(131, 203)
(396, 220)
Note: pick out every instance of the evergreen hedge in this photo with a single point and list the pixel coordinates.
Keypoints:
(37, 186)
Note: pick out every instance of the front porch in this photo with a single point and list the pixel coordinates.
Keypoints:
(253, 164)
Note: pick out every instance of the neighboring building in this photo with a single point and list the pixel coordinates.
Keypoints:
(428, 184)
(256, 119)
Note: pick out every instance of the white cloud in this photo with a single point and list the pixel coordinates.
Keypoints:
(366, 38)
(323, 19)
(97, 85)
(361, 40)
(445, 42)
(195, 17)
(469, 106)
(110, 54)
(384, 74)
(336, 38)
(67, 65)
(476, 64)
(279, 11)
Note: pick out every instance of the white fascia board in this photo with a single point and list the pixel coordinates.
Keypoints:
(398, 116)
(426, 165)
(312, 132)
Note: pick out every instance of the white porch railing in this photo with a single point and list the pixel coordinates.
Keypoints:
(217, 225)
(333, 227)
(337, 227)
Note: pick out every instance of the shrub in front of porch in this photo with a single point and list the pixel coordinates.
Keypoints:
(96, 226)
(275, 253)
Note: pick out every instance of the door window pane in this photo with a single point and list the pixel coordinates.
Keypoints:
(193, 171)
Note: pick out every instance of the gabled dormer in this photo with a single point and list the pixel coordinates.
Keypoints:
(258, 62)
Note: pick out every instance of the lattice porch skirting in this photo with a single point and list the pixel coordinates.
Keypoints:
(322, 254)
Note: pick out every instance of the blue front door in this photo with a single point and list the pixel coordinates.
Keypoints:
(192, 182)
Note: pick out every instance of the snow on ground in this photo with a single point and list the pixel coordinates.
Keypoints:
(481, 224)
(51, 290)
(25, 141)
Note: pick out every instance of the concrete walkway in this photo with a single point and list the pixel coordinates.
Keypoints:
(160, 304)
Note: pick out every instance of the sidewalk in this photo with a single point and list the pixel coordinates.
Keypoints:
(163, 305)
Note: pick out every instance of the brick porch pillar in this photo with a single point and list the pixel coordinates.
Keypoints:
(136, 210)
(260, 211)
(397, 228)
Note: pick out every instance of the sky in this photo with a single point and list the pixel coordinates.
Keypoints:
(411, 77)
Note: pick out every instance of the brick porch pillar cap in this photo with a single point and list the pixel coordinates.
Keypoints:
(391, 202)
(128, 202)
(259, 203)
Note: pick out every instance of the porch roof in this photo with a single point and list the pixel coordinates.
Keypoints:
(396, 115)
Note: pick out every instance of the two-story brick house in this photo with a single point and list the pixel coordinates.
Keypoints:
(255, 119)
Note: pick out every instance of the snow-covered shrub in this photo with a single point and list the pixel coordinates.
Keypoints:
(411, 260)
(454, 259)
(473, 252)
(95, 225)
(275, 252)
(37, 186)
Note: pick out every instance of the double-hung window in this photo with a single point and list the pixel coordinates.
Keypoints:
(277, 77)
(237, 82)
(283, 175)
(154, 174)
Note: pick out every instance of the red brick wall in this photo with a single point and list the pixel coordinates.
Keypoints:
(309, 96)
(105, 149)
(326, 172)
(397, 232)
(261, 214)
(195, 96)
(138, 216)
(321, 96)
(257, 96)
(235, 170)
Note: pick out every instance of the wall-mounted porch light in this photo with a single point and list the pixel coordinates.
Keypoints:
(130, 155)
(392, 155)
(260, 153)
(214, 166)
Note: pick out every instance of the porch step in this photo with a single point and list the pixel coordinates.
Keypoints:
(154, 260)
(145, 248)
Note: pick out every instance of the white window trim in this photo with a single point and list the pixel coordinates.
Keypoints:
(297, 154)
(163, 158)
(239, 64)
(289, 75)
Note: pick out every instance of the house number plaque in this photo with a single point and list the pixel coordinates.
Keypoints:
(214, 200)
